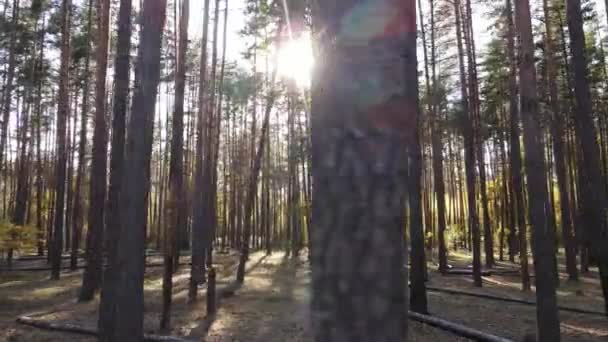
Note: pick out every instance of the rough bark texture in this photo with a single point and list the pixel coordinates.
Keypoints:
(119, 111)
(8, 85)
(516, 165)
(197, 272)
(128, 289)
(469, 153)
(596, 200)
(77, 218)
(418, 300)
(175, 215)
(436, 138)
(91, 280)
(543, 248)
(363, 117)
(63, 108)
(557, 130)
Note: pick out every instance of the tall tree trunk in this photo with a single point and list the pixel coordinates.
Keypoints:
(70, 171)
(197, 272)
(129, 286)
(418, 300)
(467, 127)
(175, 208)
(62, 114)
(77, 220)
(91, 279)
(596, 199)
(557, 130)
(436, 137)
(543, 248)
(39, 165)
(209, 199)
(516, 165)
(119, 111)
(8, 85)
(252, 184)
(219, 116)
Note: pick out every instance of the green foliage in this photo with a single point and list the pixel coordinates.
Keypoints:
(17, 237)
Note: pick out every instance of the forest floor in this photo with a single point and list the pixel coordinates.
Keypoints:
(273, 304)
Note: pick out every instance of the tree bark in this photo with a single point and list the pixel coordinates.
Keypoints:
(596, 197)
(129, 286)
(467, 127)
(516, 165)
(176, 213)
(10, 75)
(91, 279)
(77, 220)
(119, 110)
(197, 272)
(62, 114)
(557, 130)
(543, 248)
(359, 168)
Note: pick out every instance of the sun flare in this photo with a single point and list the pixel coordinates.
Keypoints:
(296, 60)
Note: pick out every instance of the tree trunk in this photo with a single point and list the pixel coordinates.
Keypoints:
(252, 185)
(62, 114)
(175, 208)
(91, 279)
(128, 291)
(77, 220)
(596, 198)
(557, 130)
(467, 127)
(359, 169)
(543, 248)
(8, 86)
(119, 111)
(516, 166)
(39, 165)
(197, 271)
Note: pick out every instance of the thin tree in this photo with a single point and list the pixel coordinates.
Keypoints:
(557, 130)
(77, 219)
(252, 184)
(10, 75)
(516, 164)
(197, 271)
(63, 108)
(469, 151)
(175, 207)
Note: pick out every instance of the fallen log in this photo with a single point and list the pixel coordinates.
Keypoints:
(77, 329)
(464, 271)
(455, 328)
(510, 300)
(67, 268)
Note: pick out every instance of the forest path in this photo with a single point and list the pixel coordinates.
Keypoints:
(273, 305)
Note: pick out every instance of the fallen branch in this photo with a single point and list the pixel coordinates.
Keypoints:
(462, 271)
(76, 329)
(510, 300)
(68, 268)
(455, 328)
